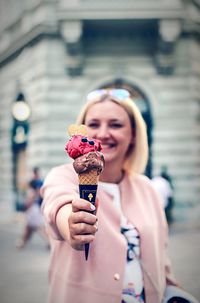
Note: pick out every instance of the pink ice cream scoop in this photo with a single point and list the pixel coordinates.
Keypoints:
(80, 145)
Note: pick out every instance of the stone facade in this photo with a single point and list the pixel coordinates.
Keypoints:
(55, 52)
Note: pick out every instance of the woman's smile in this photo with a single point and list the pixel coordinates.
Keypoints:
(108, 145)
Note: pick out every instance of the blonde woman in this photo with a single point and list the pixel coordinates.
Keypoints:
(127, 260)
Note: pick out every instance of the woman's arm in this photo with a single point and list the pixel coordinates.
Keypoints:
(67, 216)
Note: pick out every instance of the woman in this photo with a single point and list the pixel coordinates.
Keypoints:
(127, 260)
(34, 221)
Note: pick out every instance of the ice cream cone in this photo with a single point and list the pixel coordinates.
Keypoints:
(88, 163)
(88, 189)
(89, 177)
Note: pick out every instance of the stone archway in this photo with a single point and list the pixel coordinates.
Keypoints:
(143, 104)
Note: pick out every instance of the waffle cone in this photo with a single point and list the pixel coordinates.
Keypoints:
(90, 177)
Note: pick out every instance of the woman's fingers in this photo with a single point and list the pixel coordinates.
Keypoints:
(85, 229)
(81, 234)
(79, 241)
(83, 217)
(82, 223)
(81, 204)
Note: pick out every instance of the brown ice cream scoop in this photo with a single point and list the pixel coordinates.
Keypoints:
(89, 161)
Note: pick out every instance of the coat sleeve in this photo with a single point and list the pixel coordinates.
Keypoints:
(170, 278)
(60, 187)
(169, 275)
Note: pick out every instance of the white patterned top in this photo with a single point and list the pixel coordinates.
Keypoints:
(133, 289)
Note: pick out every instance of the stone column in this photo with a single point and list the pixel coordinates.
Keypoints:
(169, 31)
(72, 34)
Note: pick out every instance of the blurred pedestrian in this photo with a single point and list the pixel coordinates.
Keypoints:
(165, 174)
(34, 221)
(163, 184)
(37, 182)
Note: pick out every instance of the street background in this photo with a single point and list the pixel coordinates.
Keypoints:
(54, 52)
(24, 273)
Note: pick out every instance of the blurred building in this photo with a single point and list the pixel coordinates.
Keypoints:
(53, 52)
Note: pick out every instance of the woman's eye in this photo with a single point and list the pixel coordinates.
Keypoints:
(93, 125)
(116, 125)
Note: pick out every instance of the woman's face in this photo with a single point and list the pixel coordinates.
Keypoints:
(109, 122)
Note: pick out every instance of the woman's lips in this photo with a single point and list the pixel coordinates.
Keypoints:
(108, 145)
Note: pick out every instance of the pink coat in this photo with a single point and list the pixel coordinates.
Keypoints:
(100, 278)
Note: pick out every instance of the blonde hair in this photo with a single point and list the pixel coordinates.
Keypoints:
(136, 160)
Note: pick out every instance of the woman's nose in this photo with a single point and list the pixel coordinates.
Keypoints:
(103, 132)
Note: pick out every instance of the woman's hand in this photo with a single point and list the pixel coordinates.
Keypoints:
(82, 223)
